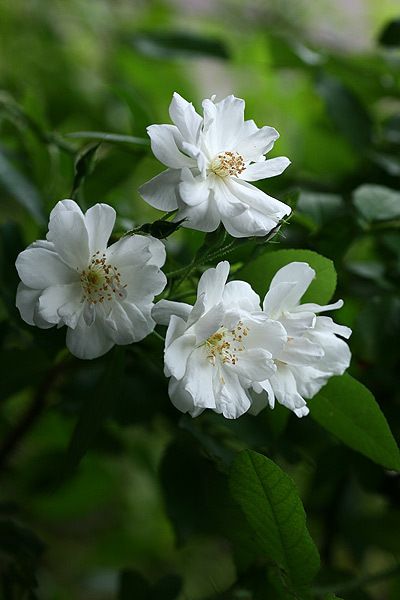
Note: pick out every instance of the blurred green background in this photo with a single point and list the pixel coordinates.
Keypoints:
(139, 512)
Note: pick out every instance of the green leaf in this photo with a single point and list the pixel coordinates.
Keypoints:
(346, 111)
(114, 138)
(269, 499)
(176, 44)
(260, 272)
(97, 407)
(319, 208)
(390, 35)
(22, 190)
(349, 411)
(377, 203)
(132, 585)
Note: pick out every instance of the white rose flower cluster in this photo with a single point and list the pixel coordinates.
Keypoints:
(211, 161)
(225, 353)
(103, 295)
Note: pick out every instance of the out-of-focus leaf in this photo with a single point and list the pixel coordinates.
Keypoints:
(97, 406)
(346, 111)
(259, 273)
(84, 165)
(22, 190)
(390, 35)
(377, 203)
(112, 138)
(348, 410)
(166, 588)
(178, 43)
(319, 208)
(132, 585)
(269, 499)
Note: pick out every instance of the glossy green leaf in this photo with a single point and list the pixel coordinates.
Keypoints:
(270, 501)
(348, 410)
(260, 272)
(377, 203)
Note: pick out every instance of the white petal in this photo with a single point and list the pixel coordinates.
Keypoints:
(253, 146)
(67, 231)
(181, 399)
(278, 299)
(39, 268)
(140, 317)
(142, 283)
(163, 310)
(257, 199)
(199, 380)
(26, 302)
(209, 323)
(240, 294)
(202, 217)
(185, 117)
(301, 351)
(229, 206)
(337, 354)
(99, 220)
(267, 334)
(259, 399)
(223, 124)
(326, 324)
(54, 298)
(285, 389)
(166, 144)
(232, 400)
(193, 190)
(317, 308)
(299, 273)
(297, 323)
(212, 284)
(89, 342)
(176, 328)
(129, 251)
(254, 364)
(177, 354)
(65, 206)
(264, 169)
(161, 191)
(157, 251)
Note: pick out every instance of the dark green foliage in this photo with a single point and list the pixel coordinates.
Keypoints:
(107, 492)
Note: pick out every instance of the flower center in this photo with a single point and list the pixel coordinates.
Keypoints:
(225, 344)
(228, 164)
(101, 281)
